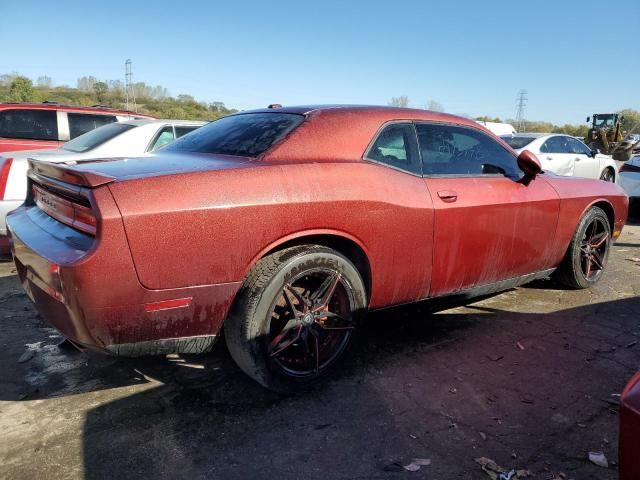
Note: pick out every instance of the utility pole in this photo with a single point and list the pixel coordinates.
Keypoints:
(129, 93)
(522, 102)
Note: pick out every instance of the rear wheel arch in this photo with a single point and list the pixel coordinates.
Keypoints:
(587, 253)
(608, 210)
(341, 242)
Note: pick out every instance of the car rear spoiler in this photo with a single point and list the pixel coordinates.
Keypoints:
(68, 174)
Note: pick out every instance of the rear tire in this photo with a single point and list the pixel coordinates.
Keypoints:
(295, 316)
(588, 251)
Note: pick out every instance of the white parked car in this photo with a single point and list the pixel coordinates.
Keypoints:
(498, 128)
(630, 177)
(565, 155)
(130, 138)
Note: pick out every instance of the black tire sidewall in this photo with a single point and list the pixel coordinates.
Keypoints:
(606, 172)
(256, 319)
(576, 260)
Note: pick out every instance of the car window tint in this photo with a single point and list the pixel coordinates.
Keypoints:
(97, 137)
(244, 134)
(577, 147)
(80, 123)
(557, 144)
(163, 137)
(183, 130)
(395, 146)
(517, 142)
(29, 124)
(453, 150)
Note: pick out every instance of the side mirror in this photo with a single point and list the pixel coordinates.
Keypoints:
(529, 164)
(588, 118)
(594, 152)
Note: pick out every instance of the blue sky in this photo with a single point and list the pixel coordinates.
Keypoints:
(471, 56)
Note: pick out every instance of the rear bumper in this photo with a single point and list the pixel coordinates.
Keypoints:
(88, 290)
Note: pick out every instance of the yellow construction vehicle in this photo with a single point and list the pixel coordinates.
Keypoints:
(605, 132)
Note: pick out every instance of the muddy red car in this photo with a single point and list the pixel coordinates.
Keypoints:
(285, 225)
(630, 430)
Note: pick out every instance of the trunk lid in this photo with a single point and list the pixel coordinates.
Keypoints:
(155, 165)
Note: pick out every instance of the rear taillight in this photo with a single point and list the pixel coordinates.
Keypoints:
(627, 167)
(4, 176)
(65, 211)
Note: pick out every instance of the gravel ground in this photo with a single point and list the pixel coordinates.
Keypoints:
(527, 378)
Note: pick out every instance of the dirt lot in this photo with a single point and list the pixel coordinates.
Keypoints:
(527, 378)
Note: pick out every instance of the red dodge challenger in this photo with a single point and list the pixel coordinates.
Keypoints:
(286, 224)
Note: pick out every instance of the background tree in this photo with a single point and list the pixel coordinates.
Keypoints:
(402, 101)
(7, 78)
(86, 83)
(116, 85)
(101, 89)
(44, 81)
(485, 118)
(21, 90)
(435, 106)
(159, 92)
(631, 122)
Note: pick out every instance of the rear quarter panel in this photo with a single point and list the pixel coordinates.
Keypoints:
(211, 227)
(577, 195)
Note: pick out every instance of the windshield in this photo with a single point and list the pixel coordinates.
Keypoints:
(603, 120)
(517, 142)
(97, 137)
(244, 135)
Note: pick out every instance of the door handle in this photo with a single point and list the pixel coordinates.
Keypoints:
(577, 159)
(549, 158)
(448, 196)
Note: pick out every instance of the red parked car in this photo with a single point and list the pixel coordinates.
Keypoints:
(32, 126)
(285, 225)
(630, 430)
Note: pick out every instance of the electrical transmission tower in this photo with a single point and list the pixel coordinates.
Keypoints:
(522, 102)
(129, 92)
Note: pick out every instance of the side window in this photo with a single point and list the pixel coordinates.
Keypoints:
(577, 147)
(557, 144)
(29, 124)
(163, 137)
(183, 130)
(395, 146)
(453, 150)
(80, 123)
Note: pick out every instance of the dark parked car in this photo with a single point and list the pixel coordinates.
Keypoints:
(285, 225)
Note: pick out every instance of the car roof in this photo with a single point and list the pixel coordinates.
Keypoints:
(139, 123)
(529, 135)
(345, 131)
(60, 106)
(374, 110)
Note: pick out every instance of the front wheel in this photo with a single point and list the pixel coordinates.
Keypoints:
(607, 175)
(295, 316)
(588, 251)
